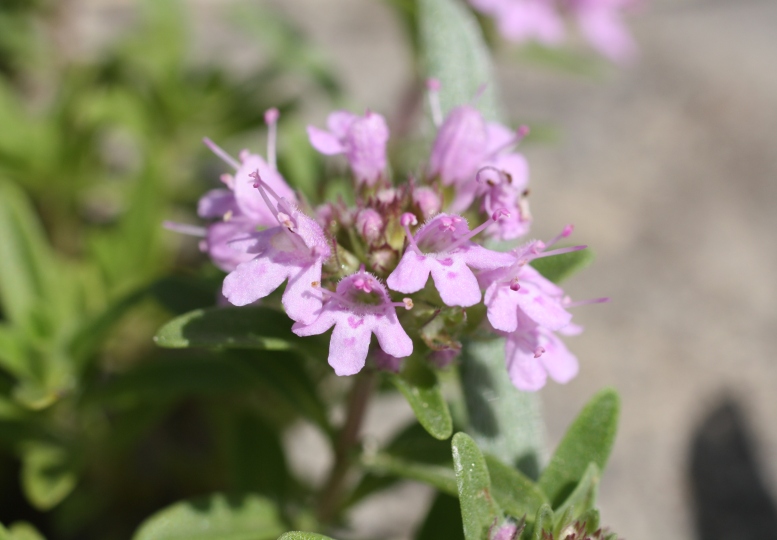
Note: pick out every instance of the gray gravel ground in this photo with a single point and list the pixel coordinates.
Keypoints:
(669, 170)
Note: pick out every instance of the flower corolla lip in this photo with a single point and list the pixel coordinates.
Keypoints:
(218, 242)
(295, 251)
(532, 353)
(520, 290)
(359, 307)
(362, 139)
(442, 248)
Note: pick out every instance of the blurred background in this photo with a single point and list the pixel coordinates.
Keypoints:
(667, 167)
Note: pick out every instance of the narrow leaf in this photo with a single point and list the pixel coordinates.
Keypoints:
(254, 327)
(47, 475)
(514, 492)
(420, 387)
(215, 517)
(455, 53)
(543, 522)
(559, 267)
(437, 476)
(24, 253)
(588, 439)
(478, 509)
(583, 498)
(21, 530)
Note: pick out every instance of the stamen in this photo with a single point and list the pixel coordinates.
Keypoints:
(539, 351)
(406, 220)
(563, 234)
(569, 304)
(271, 118)
(500, 213)
(433, 86)
(501, 175)
(557, 252)
(183, 228)
(216, 149)
(227, 215)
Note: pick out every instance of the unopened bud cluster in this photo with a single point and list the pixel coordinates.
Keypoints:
(365, 268)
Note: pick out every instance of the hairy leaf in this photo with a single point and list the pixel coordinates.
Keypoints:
(420, 387)
(514, 492)
(588, 439)
(215, 517)
(478, 508)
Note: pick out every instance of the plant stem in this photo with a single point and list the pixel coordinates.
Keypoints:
(331, 494)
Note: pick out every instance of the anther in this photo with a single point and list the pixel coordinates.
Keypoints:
(539, 351)
(408, 302)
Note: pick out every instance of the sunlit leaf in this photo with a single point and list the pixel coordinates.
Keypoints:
(437, 476)
(588, 439)
(478, 509)
(297, 535)
(215, 517)
(514, 492)
(253, 327)
(583, 498)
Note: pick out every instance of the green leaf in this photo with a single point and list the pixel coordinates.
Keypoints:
(48, 475)
(420, 387)
(24, 253)
(13, 356)
(478, 509)
(514, 492)
(559, 267)
(440, 477)
(443, 520)
(215, 517)
(543, 522)
(583, 498)
(257, 462)
(455, 53)
(253, 327)
(588, 439)
(298, 535)
(21, 530)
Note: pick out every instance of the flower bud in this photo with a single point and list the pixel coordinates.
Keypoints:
(427, 201)
(369, 224)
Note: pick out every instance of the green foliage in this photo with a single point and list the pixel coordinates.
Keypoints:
(48, 474)
(559, 267)
(454, 53)
(588, 440)
(479, 511)
(252, 327)
(514, 492)
(437, 476)
(421, 388)
(215, 517)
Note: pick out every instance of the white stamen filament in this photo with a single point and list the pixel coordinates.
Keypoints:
(570, 304)
(271, 117)
(216, 149)
(433, 86)
(190, 230)
(477, 230)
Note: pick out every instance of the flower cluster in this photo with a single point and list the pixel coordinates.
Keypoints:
(599, 21)
(364, 269)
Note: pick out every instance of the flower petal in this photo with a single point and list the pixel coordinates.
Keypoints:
(456, 283)
(324, 142)
(392, 338)
(561, 365)
(349, 345)
(253, 280)
(216, 203)
(411, 274)
(301, 300)
(502, 307)
(526, 372)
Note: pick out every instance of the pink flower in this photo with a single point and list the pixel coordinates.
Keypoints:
(359, 308)
(442, 248)
(361, 138)
(524, 20)
(293, 251)
(601, 24)
(466, 143)
(533, 352)
(503, 185)
(518, 292)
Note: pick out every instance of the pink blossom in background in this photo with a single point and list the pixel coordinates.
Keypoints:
(525, 20)
(601, 24)
(361, 138)
(359, 308)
